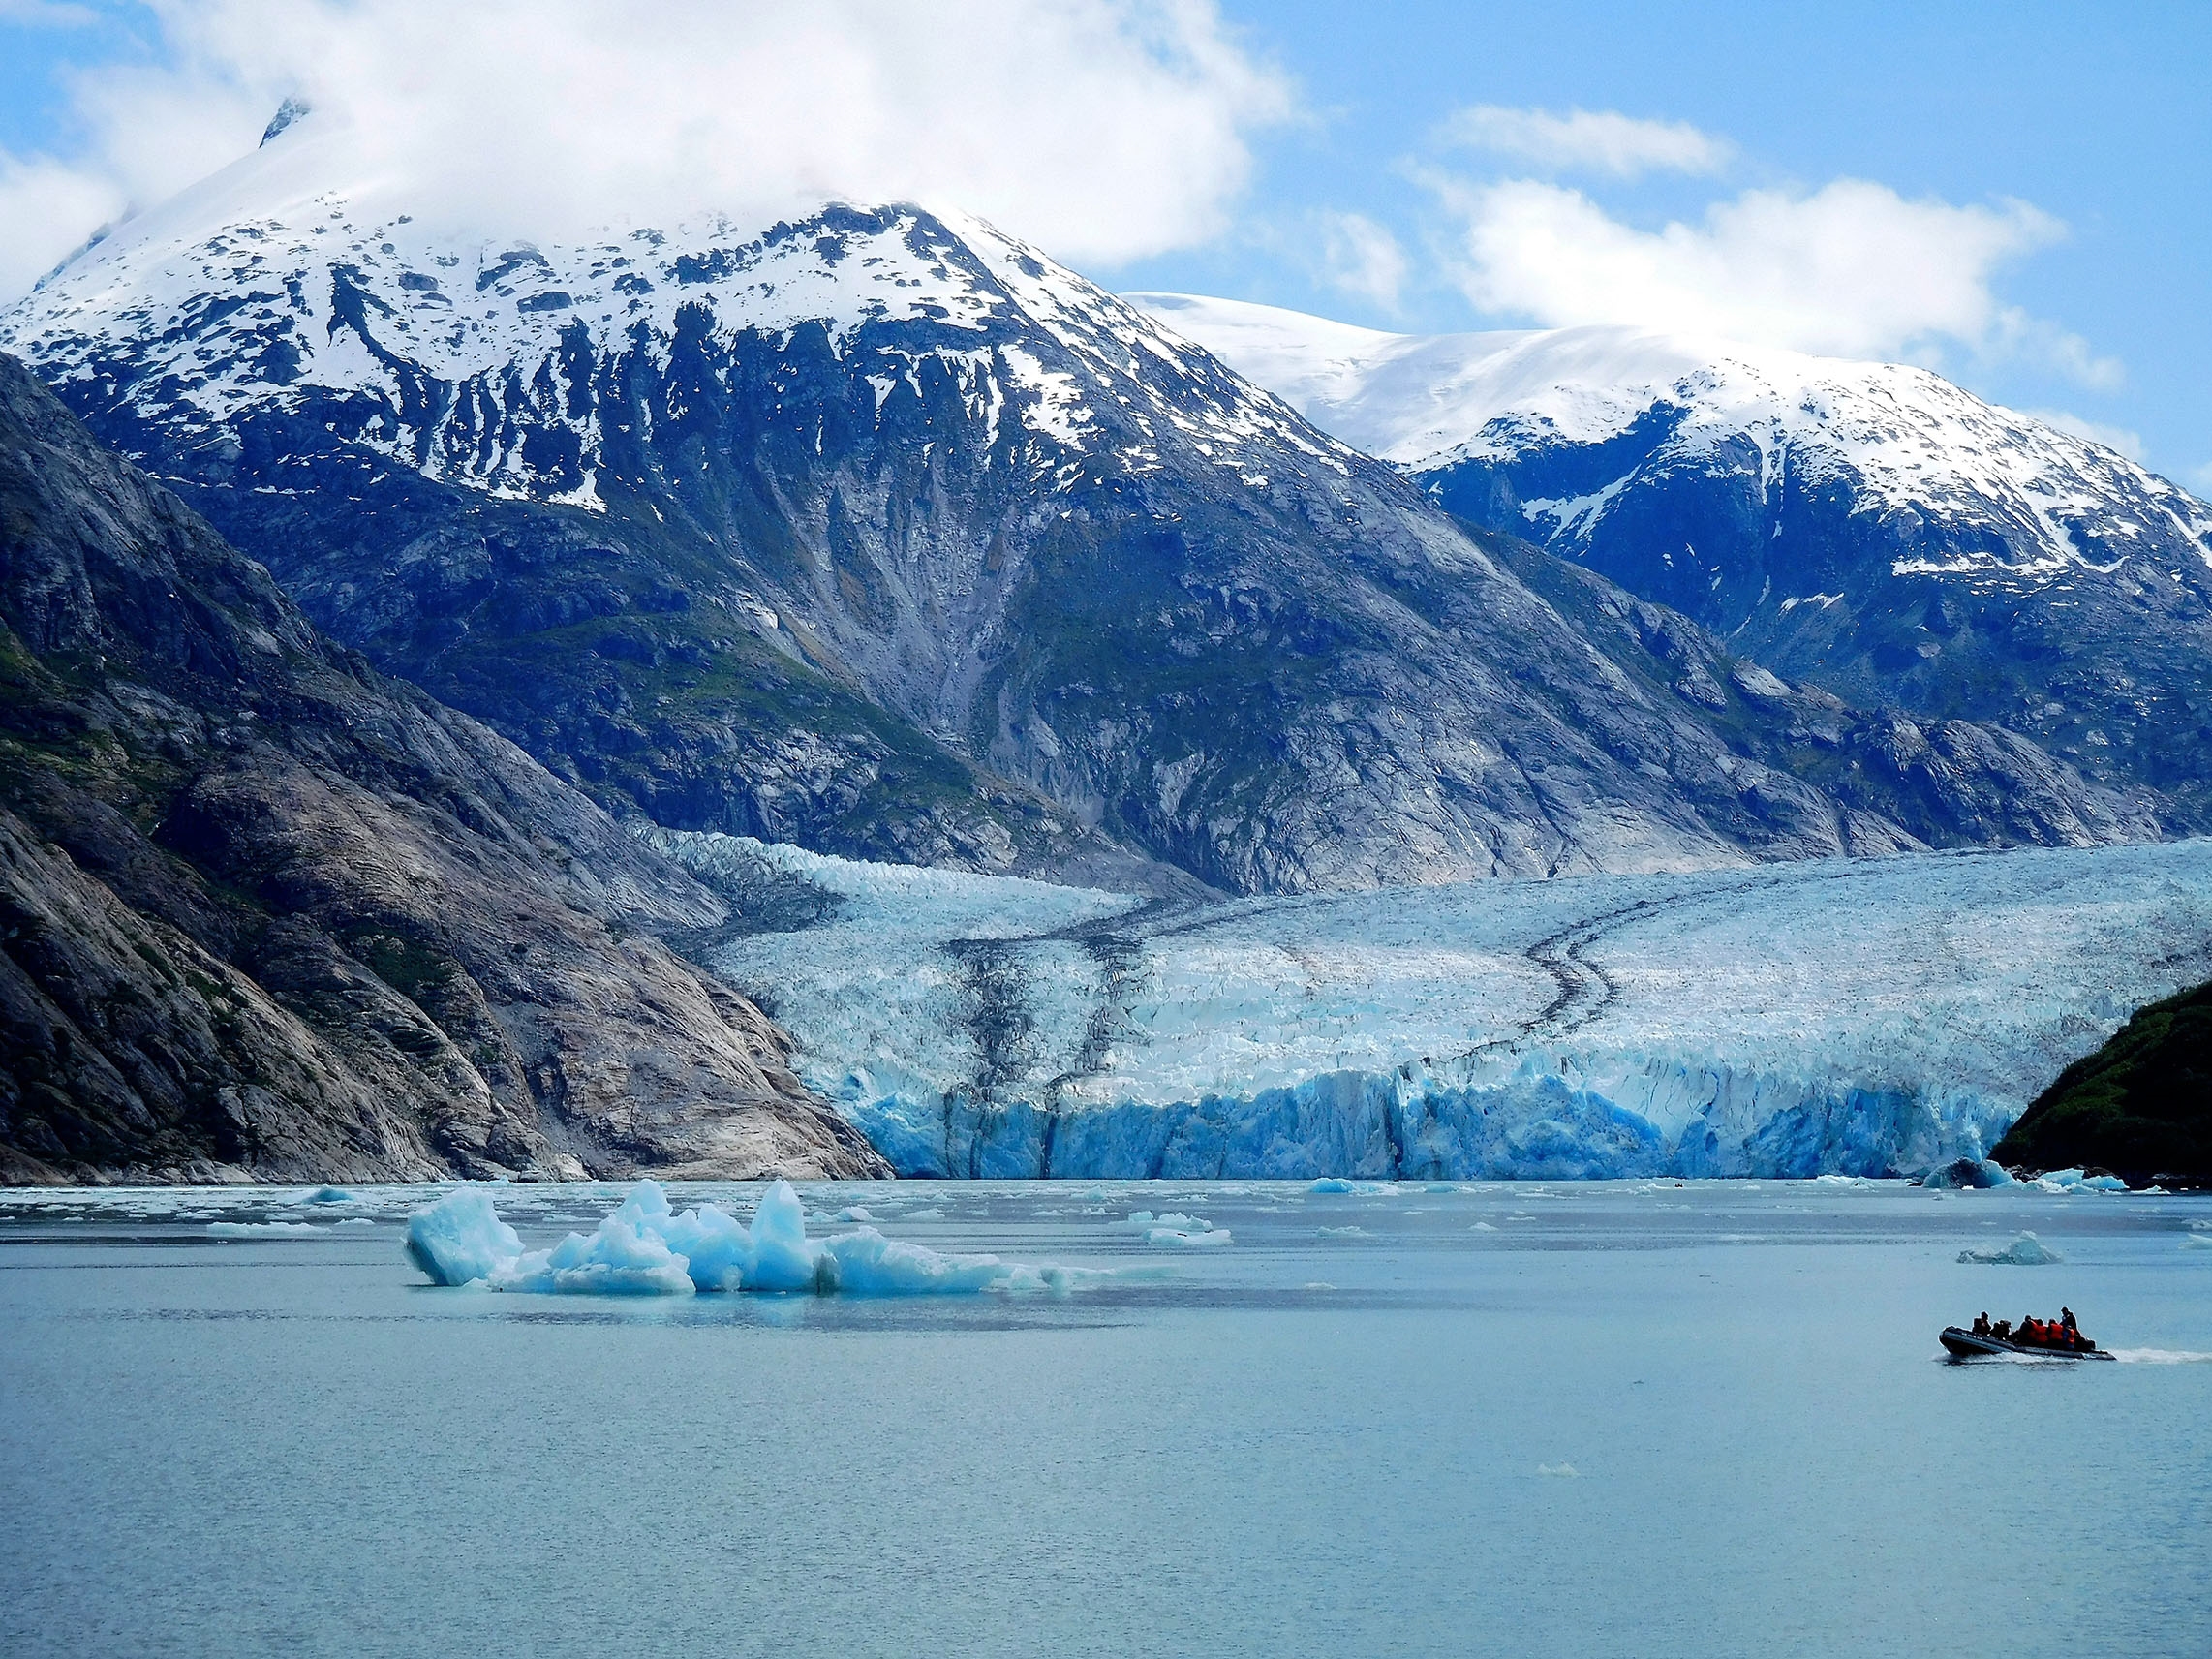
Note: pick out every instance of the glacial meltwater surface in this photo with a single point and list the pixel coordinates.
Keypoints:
(1623, 1418)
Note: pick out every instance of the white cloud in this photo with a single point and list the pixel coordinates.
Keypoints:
(2199, 479)
(1851, 270)
(1103, 129)
(55, 208)
(1360, 257)
(2128, 443)
(1588, 140)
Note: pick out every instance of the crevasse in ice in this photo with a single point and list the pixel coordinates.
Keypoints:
(647, 1249)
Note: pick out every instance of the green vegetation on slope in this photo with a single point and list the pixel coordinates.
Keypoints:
(2141, 1105)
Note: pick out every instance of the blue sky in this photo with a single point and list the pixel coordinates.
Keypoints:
(2018, 193)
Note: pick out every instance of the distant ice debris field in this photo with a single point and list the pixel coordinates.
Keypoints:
(1861, 1017)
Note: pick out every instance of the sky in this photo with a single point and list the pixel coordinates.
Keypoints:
(2018, 195)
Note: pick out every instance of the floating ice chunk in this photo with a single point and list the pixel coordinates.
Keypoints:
(330, 1195)
(2063, 1177)
(859, 1212)
(1336, 1184)
(2197, 1242)
(931, 1214)
(460, 1239)
(260, 1229)
(645, 1249)
(1482, 1227)
(1175, 1230)
(357, 1221)
(1343, 1232)
(2025, 1251)
(1966, 1175)
(2104, 1184)
(1563, 1471)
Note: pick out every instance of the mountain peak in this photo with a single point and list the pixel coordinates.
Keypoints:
(289, 114)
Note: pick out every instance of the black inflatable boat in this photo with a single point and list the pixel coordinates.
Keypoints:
(1962, 1345)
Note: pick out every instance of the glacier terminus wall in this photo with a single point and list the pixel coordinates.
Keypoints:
(1857, 1017)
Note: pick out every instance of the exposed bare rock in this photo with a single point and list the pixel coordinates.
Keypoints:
(268, 915)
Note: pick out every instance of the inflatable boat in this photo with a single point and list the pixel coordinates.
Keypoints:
(1961, 1344)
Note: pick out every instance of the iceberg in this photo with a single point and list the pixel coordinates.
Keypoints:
(2025, 1251)
(1869, 1018)
(460, 1239)
(648, 1248)
(1968, 1175)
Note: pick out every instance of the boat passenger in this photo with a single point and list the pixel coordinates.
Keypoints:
(2066, 1318)
(1982, 1324)
(2002, 1330)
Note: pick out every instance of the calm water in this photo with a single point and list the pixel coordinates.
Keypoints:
(1305, 1443)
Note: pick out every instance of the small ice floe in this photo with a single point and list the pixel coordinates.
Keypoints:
(645, 1249)
(260, 1229)
(2198, 1241)
(1317, 1284)
(856, 1213)
(2078, 1181)
(330, 1195)
(2025, 1251)
(1176, 1231)
(1482, 1227)
(357, 1221)
(1343, 1232)
(931, 1214)
(1560, 1471)
(1336, 1184)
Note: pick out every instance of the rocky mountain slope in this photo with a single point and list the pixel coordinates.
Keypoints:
(265, 914)
(881, 533)
(1870, 528)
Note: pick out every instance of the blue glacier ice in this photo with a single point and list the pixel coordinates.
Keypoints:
(1851, 1017)
(645, 1247)
(460, 1239)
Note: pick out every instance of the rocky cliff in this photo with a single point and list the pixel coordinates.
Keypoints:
(265, 914)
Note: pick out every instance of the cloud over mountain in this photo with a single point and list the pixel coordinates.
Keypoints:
(1104, 129)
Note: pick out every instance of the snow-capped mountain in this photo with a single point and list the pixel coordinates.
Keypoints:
(1870, 527)
(877, 531)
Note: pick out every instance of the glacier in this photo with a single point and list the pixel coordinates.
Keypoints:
(648, 1248)
(1847, 1017)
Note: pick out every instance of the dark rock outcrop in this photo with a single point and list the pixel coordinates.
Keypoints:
(265, 914)
(2140, 1106)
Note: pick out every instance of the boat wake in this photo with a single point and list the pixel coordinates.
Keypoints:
(2160, 1357)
